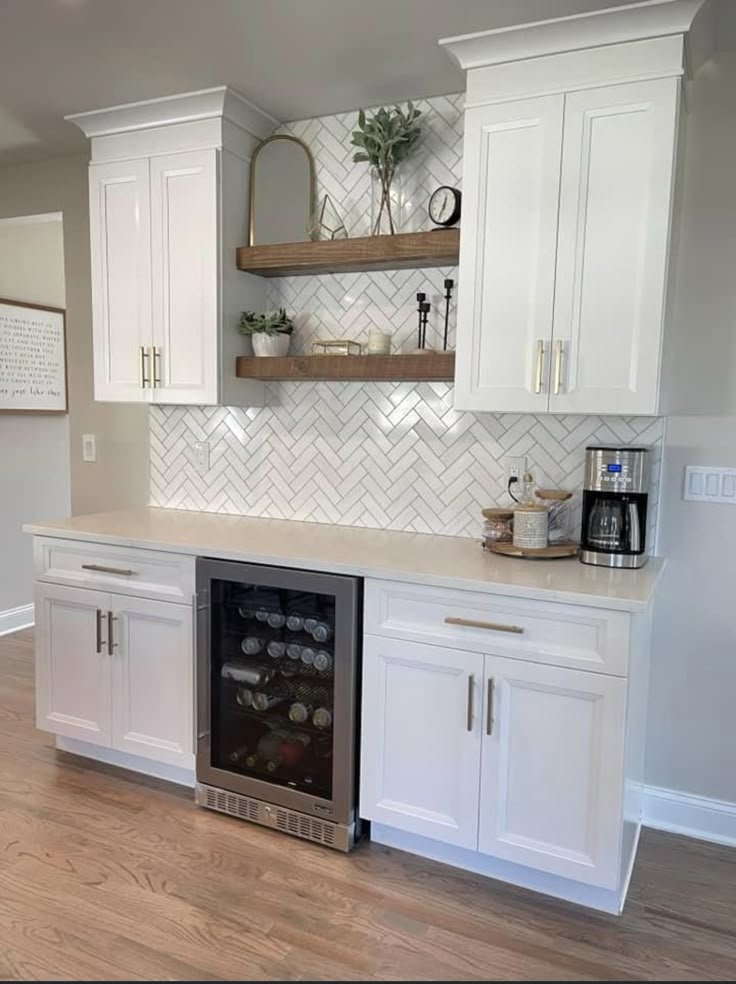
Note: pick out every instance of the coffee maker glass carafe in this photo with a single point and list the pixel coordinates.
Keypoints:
(613, 524)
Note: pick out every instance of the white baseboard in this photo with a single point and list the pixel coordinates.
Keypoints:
(134, 763)
(692, 816)
(16, 618)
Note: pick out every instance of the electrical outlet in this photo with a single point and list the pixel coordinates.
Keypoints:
(515, 468)
(202, 456)
(89, 447)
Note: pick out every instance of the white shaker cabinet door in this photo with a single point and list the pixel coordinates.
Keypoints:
(153, 680)
(73, 682)
(420, 745)
(552, 769)
(511, 174)
(184, 241)
(120, 243)
(614, 228)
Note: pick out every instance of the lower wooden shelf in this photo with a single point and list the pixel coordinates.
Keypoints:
(422, 367)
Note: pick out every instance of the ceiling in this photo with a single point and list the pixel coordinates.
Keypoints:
(293, 58)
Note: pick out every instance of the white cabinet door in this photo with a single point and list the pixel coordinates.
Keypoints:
(615, 202)
(120, 242)
(73, 683)
(184, 210)
(420, 744)
(552, 769)
(508, 237)
(153, 680)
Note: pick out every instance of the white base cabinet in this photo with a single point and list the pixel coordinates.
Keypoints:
(471, 739)
(116, 671)
(421, 739)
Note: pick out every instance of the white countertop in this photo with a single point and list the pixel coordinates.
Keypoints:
(420, 558)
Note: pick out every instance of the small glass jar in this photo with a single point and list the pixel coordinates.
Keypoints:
(498, 527)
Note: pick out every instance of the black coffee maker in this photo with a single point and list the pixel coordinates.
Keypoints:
(615, 494)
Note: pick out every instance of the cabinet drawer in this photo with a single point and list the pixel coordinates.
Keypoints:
(124, 570)
(544, 632)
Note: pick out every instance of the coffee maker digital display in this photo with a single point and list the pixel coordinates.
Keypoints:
(615, 494)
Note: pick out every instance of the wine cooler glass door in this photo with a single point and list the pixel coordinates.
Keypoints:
(281, 685)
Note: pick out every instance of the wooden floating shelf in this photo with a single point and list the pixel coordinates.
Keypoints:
(410, 250)
(427, 367)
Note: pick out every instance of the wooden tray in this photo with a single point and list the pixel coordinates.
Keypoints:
(540, 553)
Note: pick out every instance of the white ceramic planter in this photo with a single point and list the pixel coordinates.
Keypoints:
(264, 344)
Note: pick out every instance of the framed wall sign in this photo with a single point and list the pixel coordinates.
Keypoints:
(32, 358)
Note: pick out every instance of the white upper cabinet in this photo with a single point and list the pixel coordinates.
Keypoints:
(119, 208)
(570, 159)
(507, 255)
(615, 197)
(168, 207)
(184, 230)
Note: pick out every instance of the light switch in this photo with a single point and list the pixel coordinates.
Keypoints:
(704, 483)
(89, 447)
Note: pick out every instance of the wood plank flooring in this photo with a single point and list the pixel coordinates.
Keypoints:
(109, 876)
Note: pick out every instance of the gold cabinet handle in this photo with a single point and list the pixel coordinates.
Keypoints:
(538, 367)
(489, 709)
(559, 349)
(471, 688)
(156, 363)
(99, 632)
(493, 626)
(102, 569)
(110, 623)
(145, 381)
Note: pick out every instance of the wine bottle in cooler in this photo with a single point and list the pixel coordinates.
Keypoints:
(239, 754)
(276, 649)
(252, 645)
(322, 632)
(277, 693)
(289, 752)
(252, 674)
(322, 718)
(323, 661)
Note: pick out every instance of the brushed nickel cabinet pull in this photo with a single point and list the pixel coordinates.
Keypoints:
(471, 688)
(102, 569)
(99, 642)
(156, 363)
(489, 710)
(493, 626)
(559, 348)
(145, 381)
(538, 367)
(110, 623)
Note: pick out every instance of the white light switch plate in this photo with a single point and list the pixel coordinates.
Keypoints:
(704, 483)
(89, 447)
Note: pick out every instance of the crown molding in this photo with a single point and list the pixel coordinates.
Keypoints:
(616, 25)
(220, 102)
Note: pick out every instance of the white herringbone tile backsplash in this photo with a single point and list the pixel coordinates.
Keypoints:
(385, 455)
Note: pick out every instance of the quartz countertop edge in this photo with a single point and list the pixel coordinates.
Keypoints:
(416, 558)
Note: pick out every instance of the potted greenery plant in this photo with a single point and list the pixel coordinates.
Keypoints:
(270, 332)
(385, 140)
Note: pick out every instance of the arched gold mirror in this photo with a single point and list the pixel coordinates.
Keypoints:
(281, 191)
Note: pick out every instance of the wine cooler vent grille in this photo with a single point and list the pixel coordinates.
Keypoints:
(289, 821)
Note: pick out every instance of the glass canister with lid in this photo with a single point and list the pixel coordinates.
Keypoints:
(558, 503)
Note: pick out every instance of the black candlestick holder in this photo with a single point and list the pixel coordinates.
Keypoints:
(449, 284)
(421, 297)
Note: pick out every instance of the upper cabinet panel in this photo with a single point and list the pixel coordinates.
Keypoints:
(121, 279)
(184, 239)
(507, 254)
(614, 225)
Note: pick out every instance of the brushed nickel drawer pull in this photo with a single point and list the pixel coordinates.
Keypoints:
(110, 623)
(493, 626)
(489, 712)
(471, 688)
(101, 569)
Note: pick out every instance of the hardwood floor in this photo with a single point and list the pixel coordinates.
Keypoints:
(109, 876)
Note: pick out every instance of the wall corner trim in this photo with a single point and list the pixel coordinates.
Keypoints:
(14, 619)
(692, 816)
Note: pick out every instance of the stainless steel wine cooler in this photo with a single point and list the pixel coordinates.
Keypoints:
(277, 676)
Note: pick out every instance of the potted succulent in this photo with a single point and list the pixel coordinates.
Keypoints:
(270, 332)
